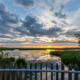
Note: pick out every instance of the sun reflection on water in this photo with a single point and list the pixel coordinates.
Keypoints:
(48, 50)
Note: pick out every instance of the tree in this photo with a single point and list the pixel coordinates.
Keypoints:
(78, 38)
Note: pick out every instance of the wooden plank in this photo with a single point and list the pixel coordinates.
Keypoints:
(46, 72)
(20, 71)
(5, 73)
(56, 72)
(70, 74)
(76, 68)
(1, 72)
(51, 72)
(10, 73)
(15, 73)
(25, 71)
(62, 74)
(61, 60)
(41, 69)
(31, 71)
(35, 72)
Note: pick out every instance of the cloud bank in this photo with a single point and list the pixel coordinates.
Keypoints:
(48, 22)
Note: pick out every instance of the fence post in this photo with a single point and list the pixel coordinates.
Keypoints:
(5, 73)
(31, 71)
(62, 74)
(41, 69)
(35, 72)
(61, 60)
(76, 68)
(56, 72)
(15, 73)
(10, 73)
(70, 74)
(20, 71)
(1, 71)
(46, 72)
(25, 71)
(51, 72)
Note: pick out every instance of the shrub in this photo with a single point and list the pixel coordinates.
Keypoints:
(5, 60)
(12, 59)
(20, 60)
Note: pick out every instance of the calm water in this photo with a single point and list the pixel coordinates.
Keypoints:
(34, 55)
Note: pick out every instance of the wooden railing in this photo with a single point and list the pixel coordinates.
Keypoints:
(12, 72)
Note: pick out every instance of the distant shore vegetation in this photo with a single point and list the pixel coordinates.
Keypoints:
(6, 48)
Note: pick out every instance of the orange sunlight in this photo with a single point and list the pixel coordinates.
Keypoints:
(48, 50)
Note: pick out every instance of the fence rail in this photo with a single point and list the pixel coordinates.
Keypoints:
(14, 73)
(38, 70)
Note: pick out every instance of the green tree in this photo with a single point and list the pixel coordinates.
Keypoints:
(78, 38)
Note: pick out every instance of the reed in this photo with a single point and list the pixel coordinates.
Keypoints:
(67, 57)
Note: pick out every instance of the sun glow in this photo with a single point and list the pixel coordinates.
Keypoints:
(48, 50)
(48, 46)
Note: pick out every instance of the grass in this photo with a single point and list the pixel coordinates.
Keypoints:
(68, 57)
(4, 58)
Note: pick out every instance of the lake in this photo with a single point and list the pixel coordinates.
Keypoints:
(34, 55)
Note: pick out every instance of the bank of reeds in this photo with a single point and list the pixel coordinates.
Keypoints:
(68, 57)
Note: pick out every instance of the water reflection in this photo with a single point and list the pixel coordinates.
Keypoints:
(42, 55)
(48, 50)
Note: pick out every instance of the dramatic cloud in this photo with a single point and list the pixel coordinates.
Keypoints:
(26, 4)
(71, 33)
(31, 27)
(7, 20)
(4, 36)
(63, 41)
(9, 41)
(2, 7)
(10, 18)
(29, 21)
(60, 15)
(64, 22)
(62, 7)
(7, 17)
(54, 22)
(48, 4)
(48, 21)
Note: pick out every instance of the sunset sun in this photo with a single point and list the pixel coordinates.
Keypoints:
(48, 46)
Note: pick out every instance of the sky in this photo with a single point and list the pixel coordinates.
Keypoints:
(38, 23)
